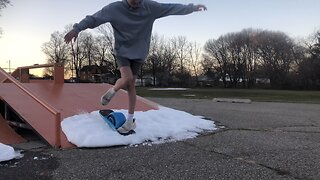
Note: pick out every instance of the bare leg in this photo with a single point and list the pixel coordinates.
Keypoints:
(127, 80)
(126, 77)
(132, 95)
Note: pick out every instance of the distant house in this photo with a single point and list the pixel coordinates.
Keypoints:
(205, 80)
(97, 74)
(146, 80)
(262, 81)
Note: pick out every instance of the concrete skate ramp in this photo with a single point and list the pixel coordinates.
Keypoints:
(45, 105)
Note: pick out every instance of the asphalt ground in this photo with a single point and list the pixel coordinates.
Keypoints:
(255, 141)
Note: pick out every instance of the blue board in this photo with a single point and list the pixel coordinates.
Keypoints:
(114, 120)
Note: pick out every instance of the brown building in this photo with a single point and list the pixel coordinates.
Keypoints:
(97, 74)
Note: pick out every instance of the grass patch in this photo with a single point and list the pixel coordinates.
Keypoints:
(261, 95)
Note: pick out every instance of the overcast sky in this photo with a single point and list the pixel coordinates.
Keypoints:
(28, 24)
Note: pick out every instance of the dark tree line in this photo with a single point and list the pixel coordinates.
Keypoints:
(169, 60)
(235, 59)
(309, 68)
(172, 62)
(259, 54)
(88, 49)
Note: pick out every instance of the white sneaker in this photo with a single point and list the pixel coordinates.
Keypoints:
(127, 126)
(106, 98)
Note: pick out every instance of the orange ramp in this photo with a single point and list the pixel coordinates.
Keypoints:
(44, 105)
(8, 135)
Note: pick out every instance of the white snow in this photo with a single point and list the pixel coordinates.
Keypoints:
(7, 153)
(154, 126)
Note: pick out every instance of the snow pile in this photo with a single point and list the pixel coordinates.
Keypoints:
(7, 153)
(156, 126)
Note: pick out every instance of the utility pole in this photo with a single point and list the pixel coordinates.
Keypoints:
(9, 66)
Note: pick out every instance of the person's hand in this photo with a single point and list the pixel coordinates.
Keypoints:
(200, 7)
(70, 35)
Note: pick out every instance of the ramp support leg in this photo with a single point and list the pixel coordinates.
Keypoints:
(24, 76)
(58, 73)
(58, 130)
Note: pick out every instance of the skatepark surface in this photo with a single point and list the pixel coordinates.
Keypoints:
(258, 140)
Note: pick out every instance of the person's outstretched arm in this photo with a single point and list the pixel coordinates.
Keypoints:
(90, 21)
(167, 9)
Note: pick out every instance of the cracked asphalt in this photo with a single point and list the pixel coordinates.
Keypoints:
(255, 141)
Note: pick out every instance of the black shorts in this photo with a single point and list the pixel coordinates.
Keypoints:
(134, 64)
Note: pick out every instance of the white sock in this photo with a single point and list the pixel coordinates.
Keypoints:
(130, 117)
(112, 90)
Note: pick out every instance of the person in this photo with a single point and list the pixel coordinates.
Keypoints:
(132, 22)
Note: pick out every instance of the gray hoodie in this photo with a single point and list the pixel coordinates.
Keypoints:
(132, 27)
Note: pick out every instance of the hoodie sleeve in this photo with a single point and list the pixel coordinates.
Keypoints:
(95, 20)
(166, 9)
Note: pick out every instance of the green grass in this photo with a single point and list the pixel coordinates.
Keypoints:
(253, 94)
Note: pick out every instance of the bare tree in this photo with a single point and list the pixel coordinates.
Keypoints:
(78, 54)
(3, 4)
(249, 56)
(237, 56)
(153, 60)
(182, 47)
(194, 60)
(55, 50)
(208, 67)
(107, 37)
(105, 41)
(167, 62)
(315, 50)
(88, 47)
(105, 47)
(225, 52)
(276, 51)
(160, 62)
(74, 56)
(309, 68)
